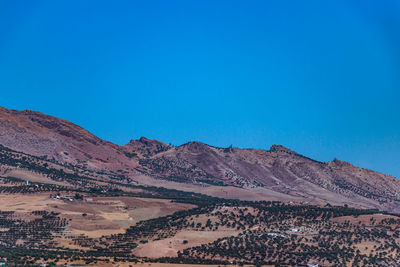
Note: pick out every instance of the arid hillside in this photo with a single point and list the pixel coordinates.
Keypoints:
(278, 173)
(278, 169)
(156, 203)
(41, 135)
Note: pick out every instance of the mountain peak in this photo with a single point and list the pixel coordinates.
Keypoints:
(146, 142)
(338, 162)
(144, 139)
(280, 148)
(195, 145)
(145, 146)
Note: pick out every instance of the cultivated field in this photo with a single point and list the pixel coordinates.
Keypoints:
(92, 216)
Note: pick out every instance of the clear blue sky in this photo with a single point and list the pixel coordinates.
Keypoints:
(320, 77)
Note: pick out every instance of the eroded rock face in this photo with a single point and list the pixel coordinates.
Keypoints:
(280, 148)
(278, 169)
(144, 147)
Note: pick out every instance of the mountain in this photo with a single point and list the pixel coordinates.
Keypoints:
(279, 170)
(277, 173)
(41, 135)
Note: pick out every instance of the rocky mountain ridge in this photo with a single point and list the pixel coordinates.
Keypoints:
(278, 169)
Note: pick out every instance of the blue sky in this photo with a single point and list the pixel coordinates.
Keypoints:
(320, 77)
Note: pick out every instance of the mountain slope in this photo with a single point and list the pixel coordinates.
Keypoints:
(42, 135)
(278, 169)
(263, 172)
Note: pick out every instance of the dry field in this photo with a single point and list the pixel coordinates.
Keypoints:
(101, 216)
(364, 219)
(170, 246)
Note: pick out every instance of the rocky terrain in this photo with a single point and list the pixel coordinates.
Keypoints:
(277, 173)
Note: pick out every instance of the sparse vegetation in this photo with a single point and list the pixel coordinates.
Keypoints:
(242, 232)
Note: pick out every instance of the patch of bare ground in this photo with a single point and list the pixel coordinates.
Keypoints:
(146, 208)
(184, 239)
(97, 217)
(367, 220)
(107, 215)
(24, 203)
(31, 176)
